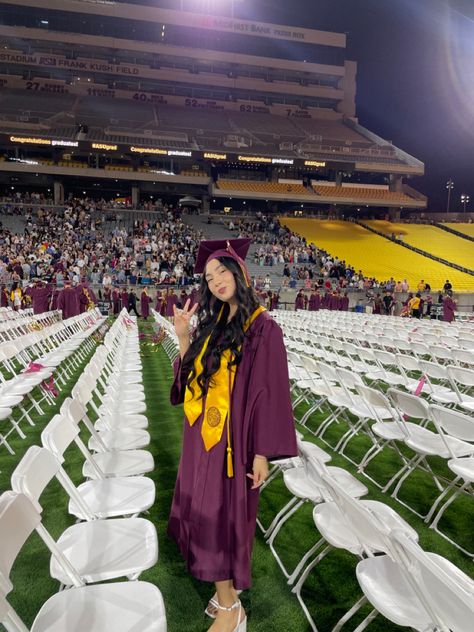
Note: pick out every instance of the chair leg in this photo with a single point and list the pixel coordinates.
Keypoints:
(279, 515)
(350, 613)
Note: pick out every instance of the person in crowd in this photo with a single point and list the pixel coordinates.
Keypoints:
(41, 294)
(449, 307)
(344, 302)
(232, 376)
(388, 303)
(132, 302)
(116, 302)
(16, 296)
(68, 301)
(415, 306)
(145, 300)
(124, 299)
(447, 287)
(299, 300)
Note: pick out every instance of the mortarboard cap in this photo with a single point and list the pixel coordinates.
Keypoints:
(234, 248)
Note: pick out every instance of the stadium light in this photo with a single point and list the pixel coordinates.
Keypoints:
(465, 200)
(450, 187)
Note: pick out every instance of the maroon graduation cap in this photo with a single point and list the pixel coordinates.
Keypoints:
(236, 249)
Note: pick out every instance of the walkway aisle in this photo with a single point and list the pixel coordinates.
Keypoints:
(270, 603)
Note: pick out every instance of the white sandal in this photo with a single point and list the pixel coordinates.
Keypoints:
(214, 604)
(241, 625)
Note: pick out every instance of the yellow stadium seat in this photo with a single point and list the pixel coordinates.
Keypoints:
(432, 239)
(376, 256)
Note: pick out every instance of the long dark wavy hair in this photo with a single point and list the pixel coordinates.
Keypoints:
(224, 335)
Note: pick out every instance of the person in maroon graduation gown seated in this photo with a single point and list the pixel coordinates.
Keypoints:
(232, 375)
(145, 301)
(68, 301)
(449, 307)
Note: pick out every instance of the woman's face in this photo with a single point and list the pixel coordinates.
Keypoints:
(220, 280)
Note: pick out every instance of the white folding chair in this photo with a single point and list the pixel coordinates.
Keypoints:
(113, 607)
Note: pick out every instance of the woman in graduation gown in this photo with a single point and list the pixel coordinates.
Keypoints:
(232, 375)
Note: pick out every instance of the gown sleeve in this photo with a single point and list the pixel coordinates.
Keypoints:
(272, 427)
(179, 384)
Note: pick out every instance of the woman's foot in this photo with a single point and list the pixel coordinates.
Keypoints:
(211, 609)
(228, 619)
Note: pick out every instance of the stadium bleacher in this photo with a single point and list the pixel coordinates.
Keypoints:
(375, 255)
(361, 193)
(251, 186)
(467, 229)
(430, 239)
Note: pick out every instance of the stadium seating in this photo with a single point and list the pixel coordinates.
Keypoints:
(377, 256)
(251, 186)
(467, 229)
(362, 194)
(434, 240)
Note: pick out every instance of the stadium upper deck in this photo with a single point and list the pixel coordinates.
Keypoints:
(141, 82)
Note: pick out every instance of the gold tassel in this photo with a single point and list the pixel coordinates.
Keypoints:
(230, 467)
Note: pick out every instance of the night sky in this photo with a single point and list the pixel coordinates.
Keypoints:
(415, 76)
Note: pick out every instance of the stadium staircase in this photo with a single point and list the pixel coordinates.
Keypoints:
(453, 231)
(424, 253)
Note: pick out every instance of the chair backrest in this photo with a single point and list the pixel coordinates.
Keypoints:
(74, 408)
(434, 370)
(408, 404)
(33, 473)
(18, 519)
(461, 375)
(448, 593)
(454, 423)
(59, 434)
(408, 362)
(348, 379)
(365, 525)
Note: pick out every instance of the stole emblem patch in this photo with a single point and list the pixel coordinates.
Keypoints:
(213, 417)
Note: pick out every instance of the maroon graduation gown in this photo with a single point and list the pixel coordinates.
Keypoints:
(449, 307)
(124, 298)
(344, 303)
(4, 297)
(171, 300)
(145, 301)
(299, 302)
(41, 297)
(68, 302)
(116, 301)
(213, 517)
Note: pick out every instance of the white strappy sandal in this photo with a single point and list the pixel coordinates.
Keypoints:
(213, 605)
(241, 625)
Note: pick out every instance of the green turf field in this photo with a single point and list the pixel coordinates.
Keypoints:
(331, 587)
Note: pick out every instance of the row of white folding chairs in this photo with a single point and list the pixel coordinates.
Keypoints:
(363, 331)
(418, 344)
(10, 329)
(385, 421)
(110, 544)
(57, 352)
(408, 586)
(395, 369)
(170, 343)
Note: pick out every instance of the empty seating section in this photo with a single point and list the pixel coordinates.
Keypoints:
(360, 193)
(375, 255)
(434, 240)
(467, 229)
(263, 187)
(116, 119)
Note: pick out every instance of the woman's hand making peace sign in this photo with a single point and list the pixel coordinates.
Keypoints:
(182, 318)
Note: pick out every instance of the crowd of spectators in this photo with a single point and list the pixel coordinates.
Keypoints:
(74, 245)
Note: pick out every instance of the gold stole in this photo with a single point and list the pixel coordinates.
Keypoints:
(217, 407)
